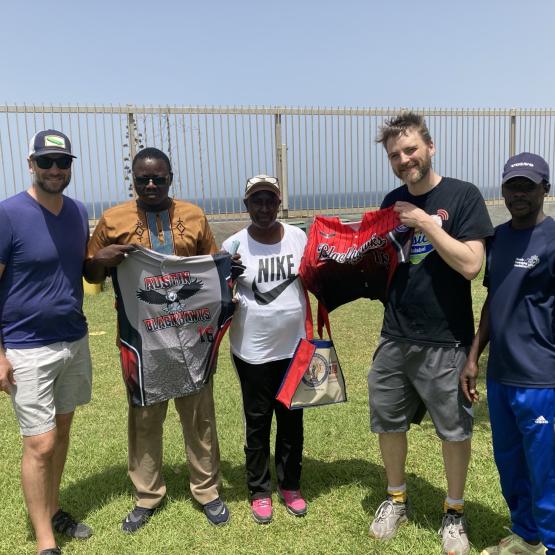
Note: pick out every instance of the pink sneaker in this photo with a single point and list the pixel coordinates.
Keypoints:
(294, 502)
(262, 510)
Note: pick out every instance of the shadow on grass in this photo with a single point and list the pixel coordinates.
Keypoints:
(486, 525)
(319, 478)
(98, 490)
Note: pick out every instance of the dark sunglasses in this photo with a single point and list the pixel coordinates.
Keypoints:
(45, 162)
(143, 181)
(521, 186)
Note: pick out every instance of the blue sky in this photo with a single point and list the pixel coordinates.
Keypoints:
(284, 52)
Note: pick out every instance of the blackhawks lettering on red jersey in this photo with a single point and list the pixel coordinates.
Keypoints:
(354, 254)
(346, 261)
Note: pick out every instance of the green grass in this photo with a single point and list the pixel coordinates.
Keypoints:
(343, 478)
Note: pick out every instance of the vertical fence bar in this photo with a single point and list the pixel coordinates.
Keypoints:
(285, 162)
(229, 157)
(512, 134)
(237, 150)
(2, 161)
(208, 169)
(177, 170)
(75, 174)
(277, 135)
(14, 181)
(200, 163)
(297, 200)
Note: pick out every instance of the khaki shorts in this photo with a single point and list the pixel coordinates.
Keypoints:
(407, 379)
(50, 380)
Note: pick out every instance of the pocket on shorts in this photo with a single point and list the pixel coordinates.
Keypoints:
(383, 340)
(16, 358)
(458, 358)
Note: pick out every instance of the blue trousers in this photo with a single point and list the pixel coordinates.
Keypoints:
(523, 433)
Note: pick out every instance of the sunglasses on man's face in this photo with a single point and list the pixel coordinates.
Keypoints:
(144, 180)
(45, 162)
(521, 186)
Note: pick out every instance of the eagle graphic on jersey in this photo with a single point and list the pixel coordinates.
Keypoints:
(172, 298)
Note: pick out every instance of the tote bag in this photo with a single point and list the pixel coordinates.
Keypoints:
(314, 376)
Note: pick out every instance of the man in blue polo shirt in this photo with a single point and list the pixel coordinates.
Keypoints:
(517, 320)
(44, 355)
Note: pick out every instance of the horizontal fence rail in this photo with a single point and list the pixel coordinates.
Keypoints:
(327, 159)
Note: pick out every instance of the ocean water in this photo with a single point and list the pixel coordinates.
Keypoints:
(296, 202)
(312, 202)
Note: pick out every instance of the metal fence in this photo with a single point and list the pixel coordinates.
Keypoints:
(327, 159)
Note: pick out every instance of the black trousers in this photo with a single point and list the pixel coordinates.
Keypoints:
(259, 385)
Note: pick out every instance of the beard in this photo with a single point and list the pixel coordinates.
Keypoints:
(52, 187)
(416, 171)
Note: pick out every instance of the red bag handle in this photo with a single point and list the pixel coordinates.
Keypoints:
(321, 319)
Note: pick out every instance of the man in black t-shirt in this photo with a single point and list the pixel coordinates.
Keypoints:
(428, 325)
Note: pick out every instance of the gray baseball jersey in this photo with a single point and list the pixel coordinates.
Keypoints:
(172, 314)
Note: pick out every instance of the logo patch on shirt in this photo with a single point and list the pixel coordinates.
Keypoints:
(443, 214)
(527, 263)
(421, 246)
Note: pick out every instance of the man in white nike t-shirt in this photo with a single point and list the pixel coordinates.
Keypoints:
(269, 320)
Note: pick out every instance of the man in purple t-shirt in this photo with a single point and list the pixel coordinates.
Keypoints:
(44, 355)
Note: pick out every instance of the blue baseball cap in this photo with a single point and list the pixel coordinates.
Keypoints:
(527, 165)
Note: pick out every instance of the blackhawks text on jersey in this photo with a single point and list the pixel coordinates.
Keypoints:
(172, 314)
(346, 261)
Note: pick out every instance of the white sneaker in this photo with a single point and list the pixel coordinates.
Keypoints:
(387, 519)
(514, 545)
(454, 539)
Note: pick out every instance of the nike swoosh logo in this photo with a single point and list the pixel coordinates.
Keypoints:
(266, 297)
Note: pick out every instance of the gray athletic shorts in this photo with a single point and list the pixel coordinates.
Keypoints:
(407, 379)
(50, 380)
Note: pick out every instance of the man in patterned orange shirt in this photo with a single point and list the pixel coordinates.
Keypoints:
(168, 226)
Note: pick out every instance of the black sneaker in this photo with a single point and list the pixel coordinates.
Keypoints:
(216, 512)
(136, 519)
(51, 551)
(64, 523)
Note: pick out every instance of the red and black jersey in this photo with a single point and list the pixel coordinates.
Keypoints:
(346, 261)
